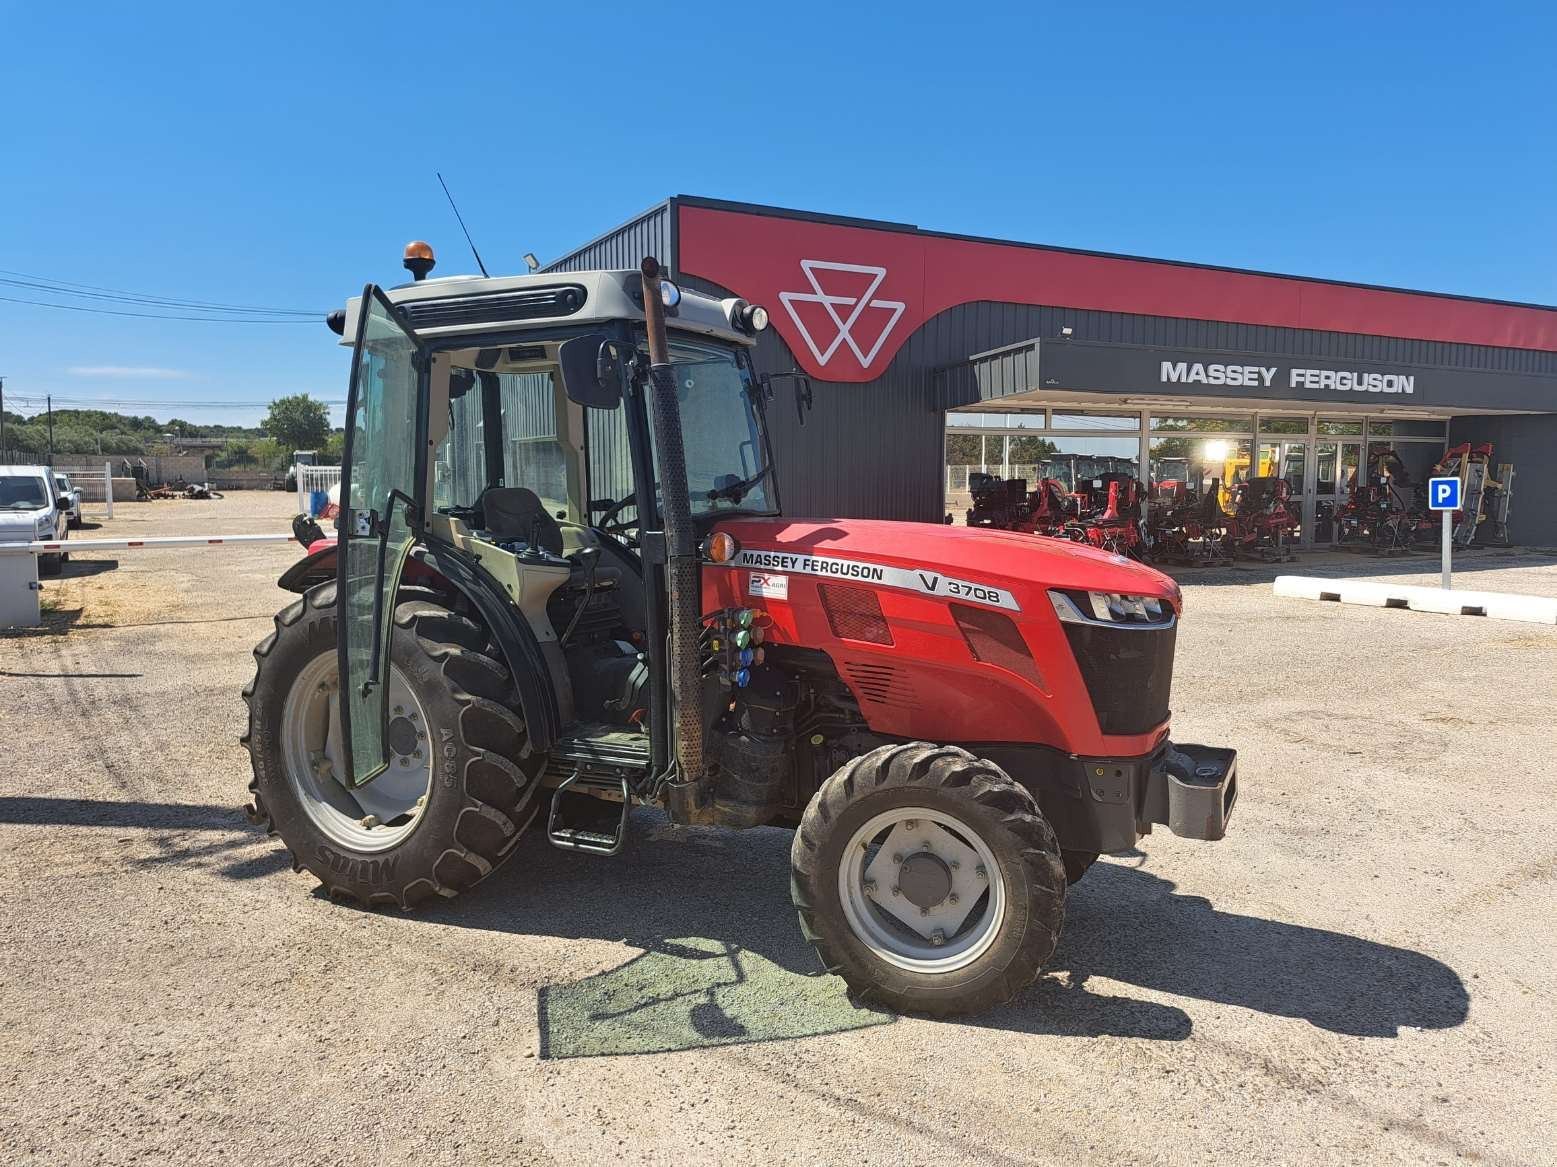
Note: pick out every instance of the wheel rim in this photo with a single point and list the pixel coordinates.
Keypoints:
(944, 914)
(374, 817)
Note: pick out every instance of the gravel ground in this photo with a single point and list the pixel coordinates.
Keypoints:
(1360, 973)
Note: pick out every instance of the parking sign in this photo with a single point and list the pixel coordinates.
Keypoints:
(1443, 494)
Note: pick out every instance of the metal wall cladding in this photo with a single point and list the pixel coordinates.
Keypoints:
(651, 233)
(1527, 443)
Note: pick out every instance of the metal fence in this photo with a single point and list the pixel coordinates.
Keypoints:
(93, 479)
(957, 476)
(313, 486)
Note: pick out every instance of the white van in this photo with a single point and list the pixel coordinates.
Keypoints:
(69, 498)
(31, 510)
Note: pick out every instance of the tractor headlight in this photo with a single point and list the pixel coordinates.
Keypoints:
(1110, 608)
(748, 318)
(670, 295)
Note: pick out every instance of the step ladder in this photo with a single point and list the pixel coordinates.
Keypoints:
(587, 839)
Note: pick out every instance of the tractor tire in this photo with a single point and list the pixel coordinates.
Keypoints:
(1077, 864)
(962, 823)
(480, 785)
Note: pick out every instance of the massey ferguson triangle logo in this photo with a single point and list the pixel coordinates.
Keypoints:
(843, 310)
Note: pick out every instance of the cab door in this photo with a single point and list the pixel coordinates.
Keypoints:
(380, 517)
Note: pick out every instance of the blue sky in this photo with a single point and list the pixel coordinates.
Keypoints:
(282, 154)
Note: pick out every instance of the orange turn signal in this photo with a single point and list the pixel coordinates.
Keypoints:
(722, 548)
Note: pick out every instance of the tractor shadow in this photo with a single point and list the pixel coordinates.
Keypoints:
(173, 834)
(723, 961)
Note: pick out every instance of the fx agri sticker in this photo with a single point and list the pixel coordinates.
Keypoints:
(768, 586)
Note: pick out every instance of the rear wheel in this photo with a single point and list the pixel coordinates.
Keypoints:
(460, 786)
(928, 879)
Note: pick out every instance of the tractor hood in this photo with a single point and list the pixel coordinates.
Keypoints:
(939, 558)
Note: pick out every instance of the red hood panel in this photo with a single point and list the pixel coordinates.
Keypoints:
(1025, 565)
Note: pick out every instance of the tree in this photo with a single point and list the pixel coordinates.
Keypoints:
(297, 422)
(1027, 448)
(962, 449)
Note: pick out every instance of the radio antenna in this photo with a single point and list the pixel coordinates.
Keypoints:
(461, 219)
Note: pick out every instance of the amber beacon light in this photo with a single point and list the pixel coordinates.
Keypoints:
(419, 259)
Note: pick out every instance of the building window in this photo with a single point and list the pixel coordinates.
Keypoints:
(1331, 427)
(1283, 425)
(1095, 420)
(1240, 424)
(1199, 460)
(1407, 429)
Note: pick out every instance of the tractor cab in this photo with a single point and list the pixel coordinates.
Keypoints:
(499, 433)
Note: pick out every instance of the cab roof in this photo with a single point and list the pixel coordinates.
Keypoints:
(453, 306)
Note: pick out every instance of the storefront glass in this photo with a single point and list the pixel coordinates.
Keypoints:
(1283, 425)
(1415, 459)
(1199, 460)
(1095, 420)
(1336, 427)
(1204, 425)
(1335, 473)
(1073, 460)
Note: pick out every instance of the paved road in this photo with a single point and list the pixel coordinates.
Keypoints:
(1361, 973)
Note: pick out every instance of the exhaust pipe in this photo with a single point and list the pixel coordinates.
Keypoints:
(687, 791)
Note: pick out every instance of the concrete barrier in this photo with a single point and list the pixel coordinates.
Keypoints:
(1454, 602)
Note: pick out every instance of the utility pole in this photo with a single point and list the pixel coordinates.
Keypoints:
(50, 400)
(2, 421)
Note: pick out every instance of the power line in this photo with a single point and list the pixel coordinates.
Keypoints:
(63, 287)
(157, 315)
(154, 301)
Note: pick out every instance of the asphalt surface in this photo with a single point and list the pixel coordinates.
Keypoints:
(1361, 972)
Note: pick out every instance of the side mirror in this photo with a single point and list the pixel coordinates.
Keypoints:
(803, 395)
(592, 370)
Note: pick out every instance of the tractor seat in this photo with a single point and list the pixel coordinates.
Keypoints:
(514, 512)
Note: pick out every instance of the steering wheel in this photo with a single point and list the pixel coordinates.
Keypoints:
(612, 525)
(620, 529)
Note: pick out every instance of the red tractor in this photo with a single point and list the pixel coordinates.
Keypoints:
(1108, 514)
(565, 586)
(1262, 524)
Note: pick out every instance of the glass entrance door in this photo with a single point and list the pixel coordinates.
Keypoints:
(1289, 460)
(1335, 472)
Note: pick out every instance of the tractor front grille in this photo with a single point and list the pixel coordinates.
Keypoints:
(496, 307)
(1128, 672)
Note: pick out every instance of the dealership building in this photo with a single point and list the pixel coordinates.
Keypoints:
(931, 352)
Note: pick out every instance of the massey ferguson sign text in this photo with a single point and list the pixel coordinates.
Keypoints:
(1265, 376)
(845, 297)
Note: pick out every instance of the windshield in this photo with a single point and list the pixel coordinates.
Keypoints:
(726, 461)
(23, 494)
(726, 456)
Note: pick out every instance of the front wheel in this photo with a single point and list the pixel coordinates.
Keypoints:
(928, 879)
(460, 786)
